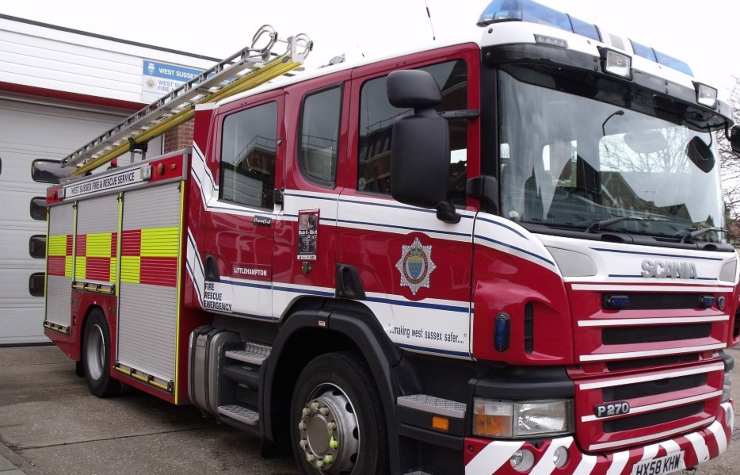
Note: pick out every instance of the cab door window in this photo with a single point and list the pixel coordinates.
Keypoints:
(377, 116)
(248, 151)
(319, 137)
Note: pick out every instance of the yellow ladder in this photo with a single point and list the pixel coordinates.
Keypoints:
(246, 69)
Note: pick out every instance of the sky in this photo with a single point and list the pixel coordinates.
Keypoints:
(703, 34)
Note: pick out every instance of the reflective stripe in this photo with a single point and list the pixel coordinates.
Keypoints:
(130, 269)
(547, 462)
(700, 447)
(98, 245)
(57, 245)
(80, 268)
(159, 242)
(619, 460)
(719, 435)
(586, 465)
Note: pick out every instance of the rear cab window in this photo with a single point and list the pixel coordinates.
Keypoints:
(248, 154)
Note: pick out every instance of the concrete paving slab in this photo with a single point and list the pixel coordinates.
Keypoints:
(5, 464)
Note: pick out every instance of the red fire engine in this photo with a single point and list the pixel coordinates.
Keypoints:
(502, 256)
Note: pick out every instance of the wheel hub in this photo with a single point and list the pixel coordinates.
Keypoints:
(328, 430)
(95, 352)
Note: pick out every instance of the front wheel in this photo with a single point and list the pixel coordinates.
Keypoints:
(96, 356)
(337, 424)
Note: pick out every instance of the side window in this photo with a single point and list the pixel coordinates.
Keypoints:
(319, 138)
(37, 246)
(38, 208)
(376, 119)
(248, 149)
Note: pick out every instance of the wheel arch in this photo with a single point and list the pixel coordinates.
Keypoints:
(311, 330)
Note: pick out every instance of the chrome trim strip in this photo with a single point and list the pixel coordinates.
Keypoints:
(645, 438)
(650, 321)
(651, 377)
(640, 354)
(650, 288)
(656, 406)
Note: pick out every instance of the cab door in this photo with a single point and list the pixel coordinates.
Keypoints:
(306, 243)
(415, 269)
(236, 233)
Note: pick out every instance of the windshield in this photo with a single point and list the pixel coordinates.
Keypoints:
(569, 161)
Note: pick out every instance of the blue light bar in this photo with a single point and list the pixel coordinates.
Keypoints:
(527, 10)
(533, 12)
(661, 58)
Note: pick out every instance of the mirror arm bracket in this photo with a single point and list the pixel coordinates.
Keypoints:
(469, 114)
(446, 212)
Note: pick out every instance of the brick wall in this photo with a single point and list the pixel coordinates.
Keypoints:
(179, 137)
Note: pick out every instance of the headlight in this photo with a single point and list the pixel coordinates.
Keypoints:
(521, 418)
(727, 387)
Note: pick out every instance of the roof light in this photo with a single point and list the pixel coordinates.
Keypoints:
(706, 95)
(616, 63)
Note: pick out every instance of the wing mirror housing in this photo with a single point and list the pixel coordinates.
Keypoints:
(701, 154)
(420, 152)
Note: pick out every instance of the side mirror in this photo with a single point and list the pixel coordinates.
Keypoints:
(48, 171)
(420, 152)
(735, 139)
(700, 154)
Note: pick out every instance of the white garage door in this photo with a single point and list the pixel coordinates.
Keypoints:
(29, 131)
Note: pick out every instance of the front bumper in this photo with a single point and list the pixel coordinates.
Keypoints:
(486, 457)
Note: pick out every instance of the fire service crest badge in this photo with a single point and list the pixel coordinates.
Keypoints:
(415, 266)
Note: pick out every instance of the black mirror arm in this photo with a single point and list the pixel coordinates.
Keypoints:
(446, 212)
(461, 114)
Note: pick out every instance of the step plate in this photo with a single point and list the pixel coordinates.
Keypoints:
(239, 413)
(433, 405)
(253, 353)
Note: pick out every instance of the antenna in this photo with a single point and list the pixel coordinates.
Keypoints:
(431, 25)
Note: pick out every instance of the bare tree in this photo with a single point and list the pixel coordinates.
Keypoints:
(730, 162)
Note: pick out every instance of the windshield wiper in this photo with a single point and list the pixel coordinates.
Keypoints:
(605, 223)
(691, 234)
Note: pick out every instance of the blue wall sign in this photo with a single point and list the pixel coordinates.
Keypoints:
(169, 71)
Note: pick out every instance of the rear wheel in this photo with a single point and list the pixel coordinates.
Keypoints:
(96, 356)
(337, 424)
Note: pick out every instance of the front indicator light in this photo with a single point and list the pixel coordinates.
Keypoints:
(509, 419)
(492, 418)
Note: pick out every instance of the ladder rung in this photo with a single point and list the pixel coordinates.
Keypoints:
(184, 98)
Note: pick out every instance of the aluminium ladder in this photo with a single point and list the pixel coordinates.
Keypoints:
(246, 69)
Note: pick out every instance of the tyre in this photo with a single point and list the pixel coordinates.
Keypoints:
(337, 424)
(96, 356)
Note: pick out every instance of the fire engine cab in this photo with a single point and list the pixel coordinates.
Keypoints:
(500, 256)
